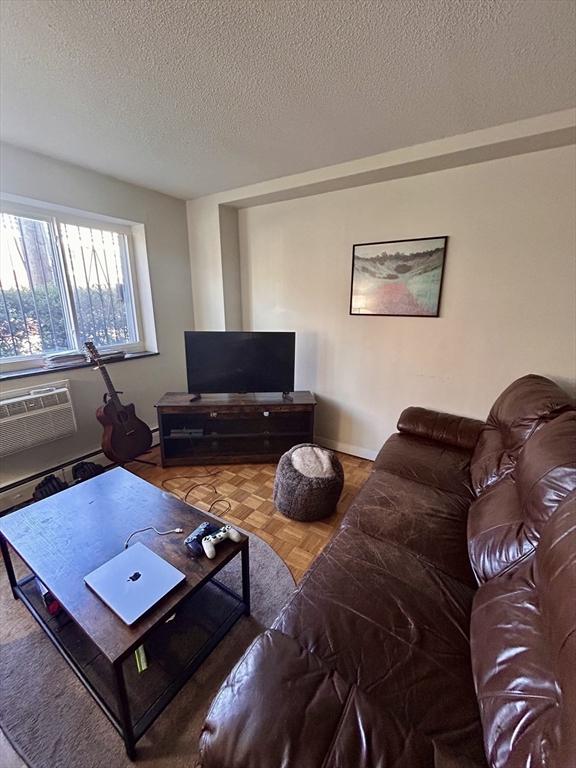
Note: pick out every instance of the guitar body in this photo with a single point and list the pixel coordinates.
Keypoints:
(125, 435)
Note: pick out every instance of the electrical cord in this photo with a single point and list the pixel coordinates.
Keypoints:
(151, 528)
(192, 487)
(185, 499)
(189, 491)
(228, 508)
(186, 493)
(197, 485)
(189, 477)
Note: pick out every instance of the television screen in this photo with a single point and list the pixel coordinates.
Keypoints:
(238, 361)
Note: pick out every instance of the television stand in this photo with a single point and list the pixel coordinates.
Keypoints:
(232, 429)
(195, 397)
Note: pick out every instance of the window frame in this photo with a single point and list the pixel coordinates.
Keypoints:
(54, 219)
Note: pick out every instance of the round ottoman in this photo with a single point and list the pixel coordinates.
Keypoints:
(308, 482)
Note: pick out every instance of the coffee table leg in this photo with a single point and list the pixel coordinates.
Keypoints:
(8, 566)
(246, 578)
(124, 710)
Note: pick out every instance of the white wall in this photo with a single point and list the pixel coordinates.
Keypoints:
(508, 303)
(206, 265)
(143, 381)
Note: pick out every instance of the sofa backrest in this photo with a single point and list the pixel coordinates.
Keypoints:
(505, 522)
(555, 578)
(523, 407)
(523, 640)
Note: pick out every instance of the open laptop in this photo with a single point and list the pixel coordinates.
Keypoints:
(134, 581)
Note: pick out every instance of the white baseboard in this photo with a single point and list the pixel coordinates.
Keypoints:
(353, 450)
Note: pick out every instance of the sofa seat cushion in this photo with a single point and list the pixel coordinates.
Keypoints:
(282, 707)
(427, 462)
(398, 629)
(426, 520)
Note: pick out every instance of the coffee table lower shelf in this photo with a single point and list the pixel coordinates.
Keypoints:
(175, 649)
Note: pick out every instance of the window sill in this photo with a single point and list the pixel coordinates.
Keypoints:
(24, 373)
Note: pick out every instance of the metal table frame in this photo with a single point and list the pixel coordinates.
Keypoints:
(132, 732)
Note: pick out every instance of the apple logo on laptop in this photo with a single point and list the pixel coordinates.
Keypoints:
(135, 576)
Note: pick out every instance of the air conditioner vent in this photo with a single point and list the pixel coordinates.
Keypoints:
(30, 418)
(49, 400)
(15, 408)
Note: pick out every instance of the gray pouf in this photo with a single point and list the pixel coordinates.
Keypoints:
(308, 482)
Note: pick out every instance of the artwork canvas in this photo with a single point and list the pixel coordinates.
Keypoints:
(398, 277)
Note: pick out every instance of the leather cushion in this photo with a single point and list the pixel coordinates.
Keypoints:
(457, 431)
(428, 521)
(398, 629)
(516, 686)
(427, 462)
(497, 538)
(546, 469)
(555, 575)
(523, 641)
(282, 706)
(521, 409)
(505, 522)
(490, 461)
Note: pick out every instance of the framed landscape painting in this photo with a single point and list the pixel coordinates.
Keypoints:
(398, 277)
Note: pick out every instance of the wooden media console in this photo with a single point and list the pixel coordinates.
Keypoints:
(232, 429)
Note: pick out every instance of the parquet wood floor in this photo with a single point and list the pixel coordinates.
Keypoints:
(248, 489)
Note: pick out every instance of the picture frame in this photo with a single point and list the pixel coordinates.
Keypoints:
(400, 278)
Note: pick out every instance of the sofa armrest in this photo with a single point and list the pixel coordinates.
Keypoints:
(280, 706)
(457, 431)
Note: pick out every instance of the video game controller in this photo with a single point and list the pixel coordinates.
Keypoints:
(209, 542)
(193, 542)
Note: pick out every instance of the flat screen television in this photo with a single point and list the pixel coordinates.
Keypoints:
(239, 362)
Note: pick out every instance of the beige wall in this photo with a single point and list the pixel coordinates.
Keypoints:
(508, 303)
(143, 381)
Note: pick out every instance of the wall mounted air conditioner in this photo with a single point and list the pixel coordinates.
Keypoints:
(30, 417)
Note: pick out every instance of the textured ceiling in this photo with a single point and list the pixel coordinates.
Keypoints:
(196, 96)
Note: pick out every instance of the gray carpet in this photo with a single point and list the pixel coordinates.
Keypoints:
(52, 721)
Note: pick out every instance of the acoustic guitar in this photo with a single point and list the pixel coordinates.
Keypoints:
(125, 435)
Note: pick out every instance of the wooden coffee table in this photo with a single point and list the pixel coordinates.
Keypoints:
(64, 537)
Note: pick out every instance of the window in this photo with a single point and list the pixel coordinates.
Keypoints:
(64, 281)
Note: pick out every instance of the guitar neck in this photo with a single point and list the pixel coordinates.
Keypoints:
(110, 387)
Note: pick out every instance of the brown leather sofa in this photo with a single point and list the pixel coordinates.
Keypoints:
(438, 628)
